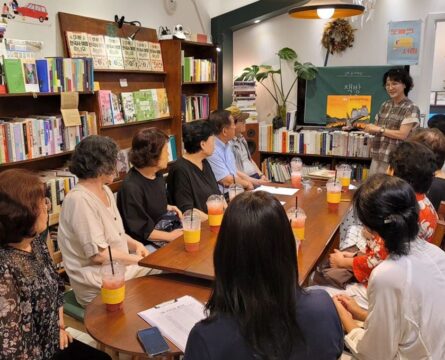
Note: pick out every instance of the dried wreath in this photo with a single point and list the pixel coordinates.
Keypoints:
(338, 35)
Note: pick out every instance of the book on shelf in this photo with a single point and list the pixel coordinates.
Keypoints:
(162, 102)
(78, 44)
(30, 75)
(197, 70)
(114, 52)
(195, 107)
(172, 152)
(143, 55)
(43, 75)
(244, 97)
(123, 163)
(105, 114)
(128, 108)
(116, 111)
(129, 54)
(98, 51)
(14, 76)
(155, 56)
(22, 49)
(144, 105)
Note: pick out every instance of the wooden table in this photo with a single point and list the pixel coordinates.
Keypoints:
(117, 330)
(321, 234)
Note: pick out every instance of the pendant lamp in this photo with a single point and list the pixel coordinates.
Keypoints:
(326, 9)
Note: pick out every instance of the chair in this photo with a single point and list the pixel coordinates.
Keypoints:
(439, 233)
(441, 210)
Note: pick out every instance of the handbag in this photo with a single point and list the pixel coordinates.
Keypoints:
(168, 222)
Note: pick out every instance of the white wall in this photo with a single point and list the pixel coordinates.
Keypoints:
(151, 13)
(258, 43)
(218, 7)
(438, 82)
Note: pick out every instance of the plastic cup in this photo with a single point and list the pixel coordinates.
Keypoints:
(296, 164)
(235, 190)
(295, 179)
(191, 225)
(333, 188)
(344, 172)
(215, 211)
(297, 219)
(113, 286)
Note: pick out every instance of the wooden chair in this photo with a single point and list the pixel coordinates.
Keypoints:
(441, 211)
(439, 233)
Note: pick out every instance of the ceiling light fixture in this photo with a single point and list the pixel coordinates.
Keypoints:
(327, 9)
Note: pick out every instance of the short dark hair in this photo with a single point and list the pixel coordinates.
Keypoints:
(94, 156)
(21, 193)
(414, 163)
(220, 120)
(146, 147)
(255, 259)
(399, 74)
(387, 204)
(435, 140)
(437, 121)
(194, 132)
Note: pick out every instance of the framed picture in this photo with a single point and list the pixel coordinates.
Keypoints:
(440, 98)
(432, 98)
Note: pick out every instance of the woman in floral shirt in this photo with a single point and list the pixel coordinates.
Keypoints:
(31, 292)
(414, 163)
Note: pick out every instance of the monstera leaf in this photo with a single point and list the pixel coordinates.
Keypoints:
(306, 71)
(287, 54)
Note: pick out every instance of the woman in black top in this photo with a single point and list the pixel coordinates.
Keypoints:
(190, 180)
(142, 199)
(31, 291)
(257, 310)
(435, 140)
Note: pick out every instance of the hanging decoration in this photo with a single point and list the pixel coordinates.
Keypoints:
(338, 36)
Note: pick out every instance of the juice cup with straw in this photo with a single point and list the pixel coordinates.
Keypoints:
(344, 172)
(333, 187)
(191, 224)
(295, 179)
(215, 210)
(234, 190)
(296, 164)
(113, 285)
(297, 219)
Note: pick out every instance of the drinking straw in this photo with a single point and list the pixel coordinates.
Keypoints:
(191, 219)
(296, 206)
(111, 259)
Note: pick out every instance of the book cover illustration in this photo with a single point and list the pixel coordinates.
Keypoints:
(116, 109)
(106, 117)
(114, 52)
(14, 76)
(78, 45)
(128, 107)
(143, 55)
(98, 52)
(162, 102)
(156, 56)
(129, 54)
(349, 112)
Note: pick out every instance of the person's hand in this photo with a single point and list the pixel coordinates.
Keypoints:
(175, 209)
(351, 305)
(264, 178)
(141, 250)
(65, 339)
(172, 235)
(336, 259)
(372, 129)
(249, 186)
(345, 316)
(348, 254)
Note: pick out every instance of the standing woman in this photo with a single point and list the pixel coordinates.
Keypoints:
(90, 222)
(31, 291)
(395, 119)
(257, 310)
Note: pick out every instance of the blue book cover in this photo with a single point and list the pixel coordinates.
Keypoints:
(42, 74)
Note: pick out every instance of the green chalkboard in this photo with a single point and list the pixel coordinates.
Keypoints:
(351, 80)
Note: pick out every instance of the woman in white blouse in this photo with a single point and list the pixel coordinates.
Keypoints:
(90, 221)
(406, 317)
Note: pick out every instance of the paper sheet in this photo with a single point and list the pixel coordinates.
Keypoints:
(277, 190)
(175, 318)
(69, 107)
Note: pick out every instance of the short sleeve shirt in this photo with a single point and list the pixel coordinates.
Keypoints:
(222, 162)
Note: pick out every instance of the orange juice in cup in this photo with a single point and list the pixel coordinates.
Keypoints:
(295, 179)
(191, 225)
(113, 285)
(215, 211)
(344, 172)
(333, 188)
(297, 219)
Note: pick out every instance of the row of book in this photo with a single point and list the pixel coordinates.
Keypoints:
(127, 107)
(244, 97)
(54, 74)
(58, 183)
(37, 136)
(109, 52)
(195, 107)
(195, 70)
(279, 170)
(317, 142)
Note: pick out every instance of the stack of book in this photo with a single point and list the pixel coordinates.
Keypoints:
(317, 142)
(195, 70)
(244, 97)
(37, 136)
(195, 107)
(54, 74)
(127, 107)
(109, 52)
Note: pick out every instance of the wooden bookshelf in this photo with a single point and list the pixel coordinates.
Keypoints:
(40, 94)
(198, 83)
(265, 154)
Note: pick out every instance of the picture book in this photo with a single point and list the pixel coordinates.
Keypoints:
(105, 115)
(143, 55)
(128, 106)
(156, 56)
(348, 111)
(43, 75)
(129, 54)
(114, 52)
(123, 164)
(30, 75)
(162, 102)
(98, 52)
(143, 103)
(116, 109)
(78, 45)
(14, 76)
(172, 153)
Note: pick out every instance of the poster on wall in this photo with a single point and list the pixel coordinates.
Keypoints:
(404, 42)
(26, 12)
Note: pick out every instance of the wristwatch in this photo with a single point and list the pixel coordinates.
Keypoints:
(382, 130)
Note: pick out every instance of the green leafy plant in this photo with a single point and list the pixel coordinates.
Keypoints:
(275, 88)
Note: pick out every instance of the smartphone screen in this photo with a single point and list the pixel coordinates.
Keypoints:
(152, 341)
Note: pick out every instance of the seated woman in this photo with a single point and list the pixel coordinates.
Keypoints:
(435, 140)
(257, 310)
(142, 199)
(31, 291)
(190, 179)
(414, 163)
(406, 290)
(90, 222)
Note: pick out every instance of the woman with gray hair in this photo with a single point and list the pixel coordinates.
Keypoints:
(90, 221)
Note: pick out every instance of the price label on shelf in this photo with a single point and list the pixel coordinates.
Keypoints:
(123, 82)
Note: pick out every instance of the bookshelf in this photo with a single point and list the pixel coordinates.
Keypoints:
(176, 87)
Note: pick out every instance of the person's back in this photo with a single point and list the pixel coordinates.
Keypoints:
(221, 338)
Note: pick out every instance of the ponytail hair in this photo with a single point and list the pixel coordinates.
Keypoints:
(387, 205)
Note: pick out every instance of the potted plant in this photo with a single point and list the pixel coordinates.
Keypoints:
(275, 88)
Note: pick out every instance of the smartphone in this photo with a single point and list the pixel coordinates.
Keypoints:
(152, 341)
